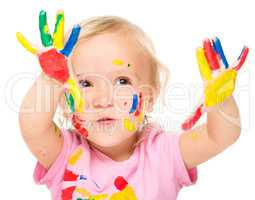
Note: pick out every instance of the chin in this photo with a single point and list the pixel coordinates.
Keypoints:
(110, 140)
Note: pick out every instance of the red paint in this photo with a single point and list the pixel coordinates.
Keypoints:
(78, 126)
(54, 65)
(120, 183)
(67, 193)
(211, 55)
(139, 108)
(70, 176)
(190, 122)
(242, 59)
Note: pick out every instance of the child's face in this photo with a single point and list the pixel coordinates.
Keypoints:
(111, 71)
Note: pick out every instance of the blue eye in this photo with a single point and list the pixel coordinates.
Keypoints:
(84, 83)
(123, 81)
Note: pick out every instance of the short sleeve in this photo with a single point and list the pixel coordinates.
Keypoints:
(182, 175)
(55, 172)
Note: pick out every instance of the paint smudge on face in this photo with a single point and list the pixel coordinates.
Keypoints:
(78, 126)
(117, 62)
(130, 126)
(134, 104)
(138, 110)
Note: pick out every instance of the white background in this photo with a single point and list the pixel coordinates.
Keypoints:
(177, 28)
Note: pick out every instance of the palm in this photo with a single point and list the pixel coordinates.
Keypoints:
(53, 57)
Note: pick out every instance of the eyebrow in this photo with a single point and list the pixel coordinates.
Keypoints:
(118, 72)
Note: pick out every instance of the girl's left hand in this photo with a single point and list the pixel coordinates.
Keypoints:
(219, 78)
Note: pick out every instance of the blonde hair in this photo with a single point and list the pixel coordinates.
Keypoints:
(106, 24)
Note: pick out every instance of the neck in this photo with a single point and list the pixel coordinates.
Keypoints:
(121, 151)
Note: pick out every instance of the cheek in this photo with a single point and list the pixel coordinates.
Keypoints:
(123, 100)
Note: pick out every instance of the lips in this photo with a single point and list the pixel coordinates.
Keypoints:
(105, 119)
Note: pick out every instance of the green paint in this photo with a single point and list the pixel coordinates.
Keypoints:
(60, 17)
(44, 31)
(70, 102)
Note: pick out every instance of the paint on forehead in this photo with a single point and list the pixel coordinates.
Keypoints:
(117, 62)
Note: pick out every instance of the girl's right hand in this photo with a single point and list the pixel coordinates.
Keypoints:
(53, 57)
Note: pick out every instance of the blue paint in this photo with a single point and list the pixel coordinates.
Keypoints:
(135, 103)
(241, 53)
(71, 41)
(219, 50)
(82, 177)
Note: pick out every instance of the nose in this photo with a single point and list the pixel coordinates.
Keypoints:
(103, 97)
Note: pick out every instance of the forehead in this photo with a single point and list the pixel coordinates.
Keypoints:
(109, 54)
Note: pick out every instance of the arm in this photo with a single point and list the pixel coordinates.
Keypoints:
(202, 143)
(223, 121)
(37, 127)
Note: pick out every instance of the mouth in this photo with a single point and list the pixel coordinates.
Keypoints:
(106, 121)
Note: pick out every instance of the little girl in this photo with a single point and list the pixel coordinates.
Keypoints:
(112, 151)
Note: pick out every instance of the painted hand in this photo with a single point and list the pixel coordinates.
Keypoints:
(53, 57)
(219, 78)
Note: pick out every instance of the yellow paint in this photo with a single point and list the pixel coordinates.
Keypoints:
(141, 115)
(126, 194)
(77, 95)
(203, 65)
(86, 194)
(76, 155)
(83, 192)
(117, 62)
(130, 126)
(58, 35)
(220, 88)
(194, 136)
(26, 44)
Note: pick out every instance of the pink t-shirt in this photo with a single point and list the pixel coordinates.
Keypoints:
(154, 171)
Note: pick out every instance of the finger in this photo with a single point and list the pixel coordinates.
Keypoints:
(219, 50)
(210, 55)
(70, 101)
(203, 65)
(58, 35)
(77, 95)
(241, 59)
(26, 44)
(44, 29)
(71, 41)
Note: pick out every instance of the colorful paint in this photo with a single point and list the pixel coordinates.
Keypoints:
(71, 41)
(203, 65)
(211, 55)
(219, 50)
(58, 35)
(26, 44)
(117, 62)
(81, 130)
(44, 29)
(137, 116)
(218, 88)
(54, 61)
(134, 104)
(75, 156)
